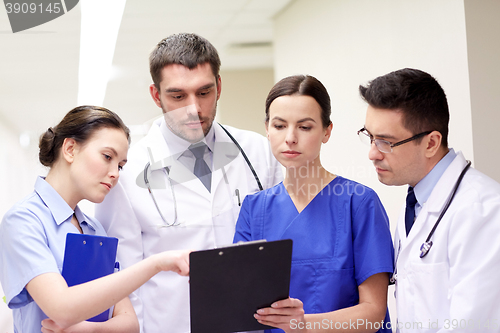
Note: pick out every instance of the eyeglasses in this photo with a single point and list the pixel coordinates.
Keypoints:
(383, 145)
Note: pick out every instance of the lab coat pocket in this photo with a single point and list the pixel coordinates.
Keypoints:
(430, 282)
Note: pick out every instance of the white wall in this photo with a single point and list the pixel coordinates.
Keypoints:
(242, 103)
(19, 167)
(345, 43)
(483, 47)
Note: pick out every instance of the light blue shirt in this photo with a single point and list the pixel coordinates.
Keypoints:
(424, 188)
(32, 241)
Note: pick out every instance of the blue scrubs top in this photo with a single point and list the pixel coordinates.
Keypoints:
(32, 241)
(340, 239)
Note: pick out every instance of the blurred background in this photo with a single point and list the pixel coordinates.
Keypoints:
(97, 53)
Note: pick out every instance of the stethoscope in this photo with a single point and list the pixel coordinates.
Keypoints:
(427, 245)
(146, 180)
(167, 171)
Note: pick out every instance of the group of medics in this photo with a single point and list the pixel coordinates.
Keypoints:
(446, 259)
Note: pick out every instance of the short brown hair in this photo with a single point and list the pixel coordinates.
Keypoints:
(184, 49)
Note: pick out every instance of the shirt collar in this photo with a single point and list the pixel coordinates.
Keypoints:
(424, 187)
(210, 138)
(178, 145)
(84, 221)
(59, 208)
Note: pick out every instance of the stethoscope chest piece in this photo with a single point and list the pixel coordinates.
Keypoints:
(424, 249)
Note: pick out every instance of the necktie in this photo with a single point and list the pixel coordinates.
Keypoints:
(201, 169)
(411, 200)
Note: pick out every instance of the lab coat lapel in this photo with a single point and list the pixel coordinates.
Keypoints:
(225, 160)
(224, 155)
(185, 177)
(442, 191)
(179, 173)
(158, 152)
(432, 208)
(160, 157)
(417, 227)
(400, 239)
(228, 176)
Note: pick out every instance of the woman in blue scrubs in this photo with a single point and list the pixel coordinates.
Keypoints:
(85, 152)
(342, 248)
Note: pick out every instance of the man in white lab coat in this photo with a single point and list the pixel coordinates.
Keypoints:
(185, 181)
(451, 284)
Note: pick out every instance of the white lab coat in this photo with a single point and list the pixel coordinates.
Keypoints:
(455, 288)
(207, 219)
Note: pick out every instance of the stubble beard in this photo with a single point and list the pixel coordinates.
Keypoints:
(191, 135)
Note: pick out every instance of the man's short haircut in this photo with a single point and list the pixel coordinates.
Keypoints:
(414, 93)
(185, 49)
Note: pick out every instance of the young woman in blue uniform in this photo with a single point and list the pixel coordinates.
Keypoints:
(342, 248)
(84, 152)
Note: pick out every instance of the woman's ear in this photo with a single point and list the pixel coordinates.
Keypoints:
(69, 149)
(328, 133)
(267, 129)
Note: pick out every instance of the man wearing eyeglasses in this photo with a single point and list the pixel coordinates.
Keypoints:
(446, 273)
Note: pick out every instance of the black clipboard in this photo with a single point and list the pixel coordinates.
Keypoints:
(228, 285)
(86, 258)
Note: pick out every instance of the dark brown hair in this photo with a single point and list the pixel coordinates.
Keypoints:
(302, 85)
(184, 49)
(417, 95)
(78, 124)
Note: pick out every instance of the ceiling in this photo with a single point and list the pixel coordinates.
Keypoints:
(39, 66)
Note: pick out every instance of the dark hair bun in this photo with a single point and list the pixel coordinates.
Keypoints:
(78, 124)
(46, 145)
